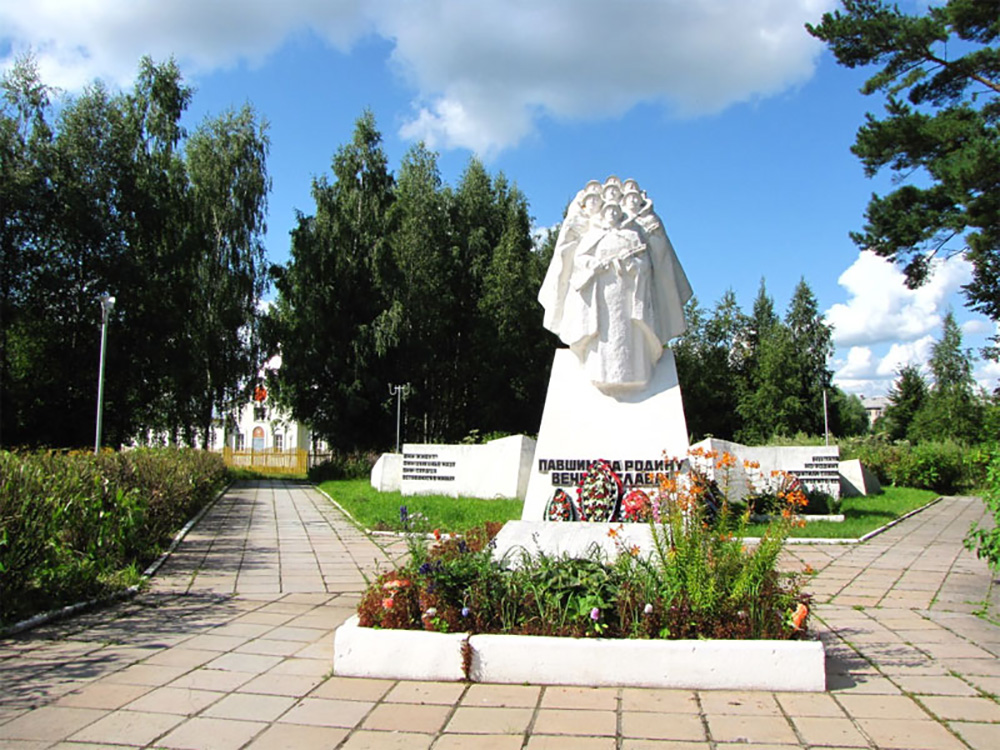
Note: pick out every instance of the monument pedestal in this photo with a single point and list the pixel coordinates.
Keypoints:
(632, 430)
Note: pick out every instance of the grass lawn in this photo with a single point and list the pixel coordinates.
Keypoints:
(380, 510)
(862, 514)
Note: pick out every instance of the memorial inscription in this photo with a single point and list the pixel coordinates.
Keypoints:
(427, 467)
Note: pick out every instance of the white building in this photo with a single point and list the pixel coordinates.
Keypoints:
(259, 425)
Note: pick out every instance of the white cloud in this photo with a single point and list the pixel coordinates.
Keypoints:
(976, 327)
(880, 308)
(483, 72)
(866, 373)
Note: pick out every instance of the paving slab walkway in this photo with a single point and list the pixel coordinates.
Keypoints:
(232, 647)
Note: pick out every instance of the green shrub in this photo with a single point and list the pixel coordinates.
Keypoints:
(934, 466)
(986, 541)
(73, 524)
(344, 465)
(943, 466)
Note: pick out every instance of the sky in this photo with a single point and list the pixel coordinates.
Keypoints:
(735, 121)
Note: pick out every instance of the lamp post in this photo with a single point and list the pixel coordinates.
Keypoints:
(398, 391)
(107, 304)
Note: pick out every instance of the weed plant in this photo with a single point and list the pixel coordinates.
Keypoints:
(699, 580)
(985, 539)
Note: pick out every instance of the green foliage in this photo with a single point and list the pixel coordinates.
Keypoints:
(906, 399)
(944, 466)
(73, 525)
(985, 540)
(380, 510)
(109, 194)
(700, 581)
(940, 134)
(428, 286)
(344, 465)
(861, 514)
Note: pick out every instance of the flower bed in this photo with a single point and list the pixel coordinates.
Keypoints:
(694, 579)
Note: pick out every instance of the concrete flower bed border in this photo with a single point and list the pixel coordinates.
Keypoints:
(512, 659)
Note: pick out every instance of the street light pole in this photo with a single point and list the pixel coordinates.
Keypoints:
(398, 391)
(107, 304)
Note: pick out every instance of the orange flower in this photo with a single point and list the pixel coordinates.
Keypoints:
(799, 617)
(387, 602)
(437, 535)
(612, 532)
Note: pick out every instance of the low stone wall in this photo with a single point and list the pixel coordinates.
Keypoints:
(499, 468)
(816, 466)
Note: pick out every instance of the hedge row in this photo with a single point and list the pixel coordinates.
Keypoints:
(946, 467)
(74, 526)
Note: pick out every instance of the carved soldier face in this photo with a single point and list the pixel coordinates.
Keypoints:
(632, 202)
(612, 193)
(612, 214)
(592, 203)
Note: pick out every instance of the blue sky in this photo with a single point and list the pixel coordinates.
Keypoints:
(734, 120)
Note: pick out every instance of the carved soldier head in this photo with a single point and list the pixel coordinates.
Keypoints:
(612, 214)
(632, 202)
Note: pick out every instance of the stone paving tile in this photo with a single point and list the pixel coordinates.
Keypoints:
(211, 734)
(963, 709)
(589, 722)
(224, 680)
(750, 729)
(49, 723)
(139, 727)
(816, 730)
(978, 736)
(580, 698)
(479, 742)
(810, 704)
(445, 693)
(368, 740)
(478, 720)
(909, 734)
(270, 683)
(935, 685)
(297, 737)
(250, 707)
(665, 701)
(360, 689)
(502, 695)
(327, 712)
(103, 695)
(662, 726)
(732, 702)
(175, 700)
(550, 742)
(407, 717)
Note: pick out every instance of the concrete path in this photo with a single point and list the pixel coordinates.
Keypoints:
(232, 648)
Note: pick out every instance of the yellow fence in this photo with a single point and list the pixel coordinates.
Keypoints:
(268, 461)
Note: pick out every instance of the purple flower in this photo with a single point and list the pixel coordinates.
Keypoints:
(595, 614)
(465, 611)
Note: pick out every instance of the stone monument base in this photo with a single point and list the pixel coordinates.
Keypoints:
(634, 431)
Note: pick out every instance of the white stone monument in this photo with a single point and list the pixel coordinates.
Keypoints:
(614, 293)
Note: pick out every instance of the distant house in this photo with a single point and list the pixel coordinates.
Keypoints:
(874, 407)
(259, 425)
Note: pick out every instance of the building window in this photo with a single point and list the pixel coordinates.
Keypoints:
(239, 441)
(260, 413)
(279, 441)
